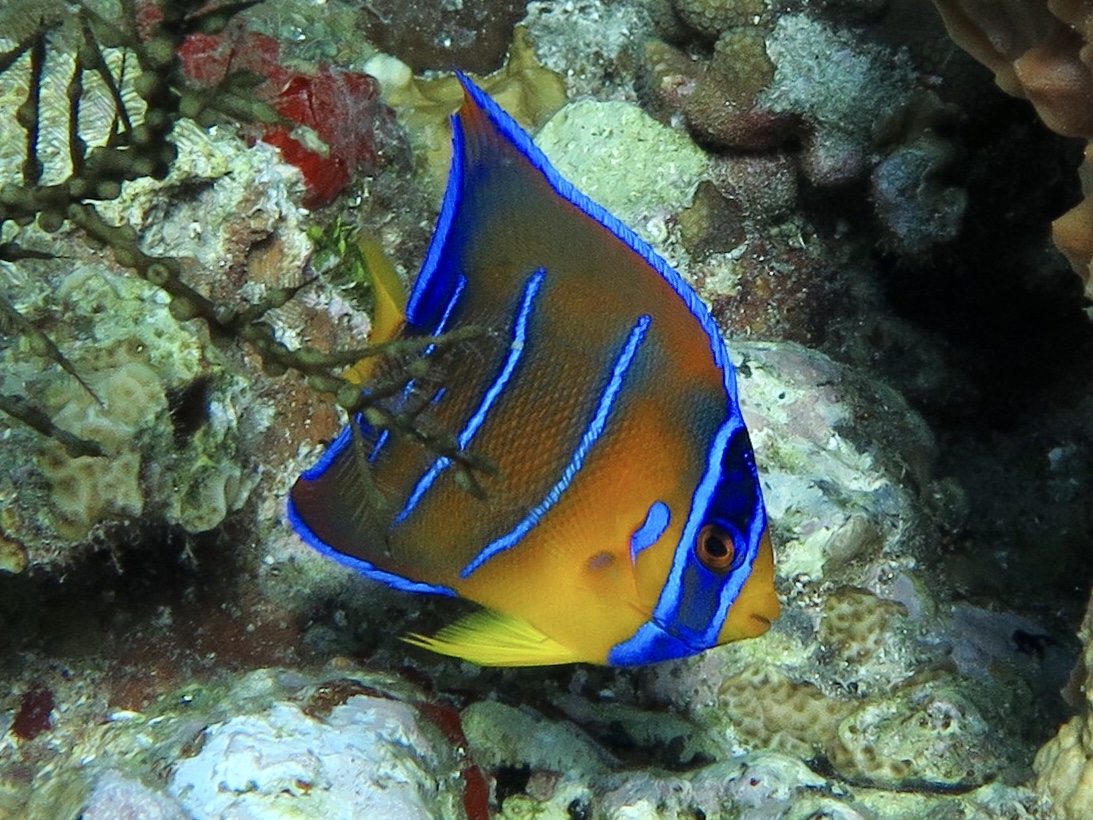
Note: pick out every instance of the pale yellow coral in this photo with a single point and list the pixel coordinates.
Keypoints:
(856, 623)
(1064, 766)
(523, 87)
(768, 709)
(89, 488)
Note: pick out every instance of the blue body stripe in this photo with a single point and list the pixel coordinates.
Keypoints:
(656, 522)
(694, 602)
(591, 434)
(384, 435)
(441, 326)
(467, 434)
(667, 609)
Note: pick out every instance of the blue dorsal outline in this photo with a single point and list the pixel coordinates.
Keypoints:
(423, 301)
(519, 139)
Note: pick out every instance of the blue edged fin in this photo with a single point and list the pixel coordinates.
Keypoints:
(472, 136)
(351, 523)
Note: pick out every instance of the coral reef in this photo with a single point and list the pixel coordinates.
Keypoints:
(267, 744)
(529, 92)
(173, 650)
(773, 79)
(1040, 51)
(129, 370)
(340, 109)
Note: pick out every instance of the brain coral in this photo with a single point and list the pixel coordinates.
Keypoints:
(856, 623)
(1040, 51)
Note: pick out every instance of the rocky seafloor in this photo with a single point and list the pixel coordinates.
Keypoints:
(869, 218)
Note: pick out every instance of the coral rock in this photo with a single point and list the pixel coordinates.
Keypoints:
(1040, 51)
(523, 87)
(1064, 766)
(712, 17)
(367, 758)
(341, 108)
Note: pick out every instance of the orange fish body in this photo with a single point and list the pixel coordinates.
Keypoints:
(624, 522)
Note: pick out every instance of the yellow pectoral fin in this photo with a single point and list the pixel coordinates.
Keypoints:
(492, 638)
(390, 311)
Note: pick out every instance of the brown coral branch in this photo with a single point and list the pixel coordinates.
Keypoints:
(40, 343)
(19, 408)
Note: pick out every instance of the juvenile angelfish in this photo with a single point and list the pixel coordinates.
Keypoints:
(624, 522)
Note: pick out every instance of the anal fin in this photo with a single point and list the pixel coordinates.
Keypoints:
(492, 638)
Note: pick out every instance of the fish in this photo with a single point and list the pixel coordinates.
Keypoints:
(622, 521)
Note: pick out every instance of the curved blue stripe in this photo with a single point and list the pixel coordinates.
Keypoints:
(516, 351)
(672, 625)
(576, 462)
(564, 188)
(656, 522)
(496, 388)
(670, 597)
(441, 326)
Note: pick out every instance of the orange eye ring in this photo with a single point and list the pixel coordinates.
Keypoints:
(715, 548)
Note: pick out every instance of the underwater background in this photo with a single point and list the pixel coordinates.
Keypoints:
(882, 201)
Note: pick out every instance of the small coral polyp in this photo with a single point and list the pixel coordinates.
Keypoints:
(712, 17)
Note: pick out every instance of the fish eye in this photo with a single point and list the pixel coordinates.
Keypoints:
(716, 548)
